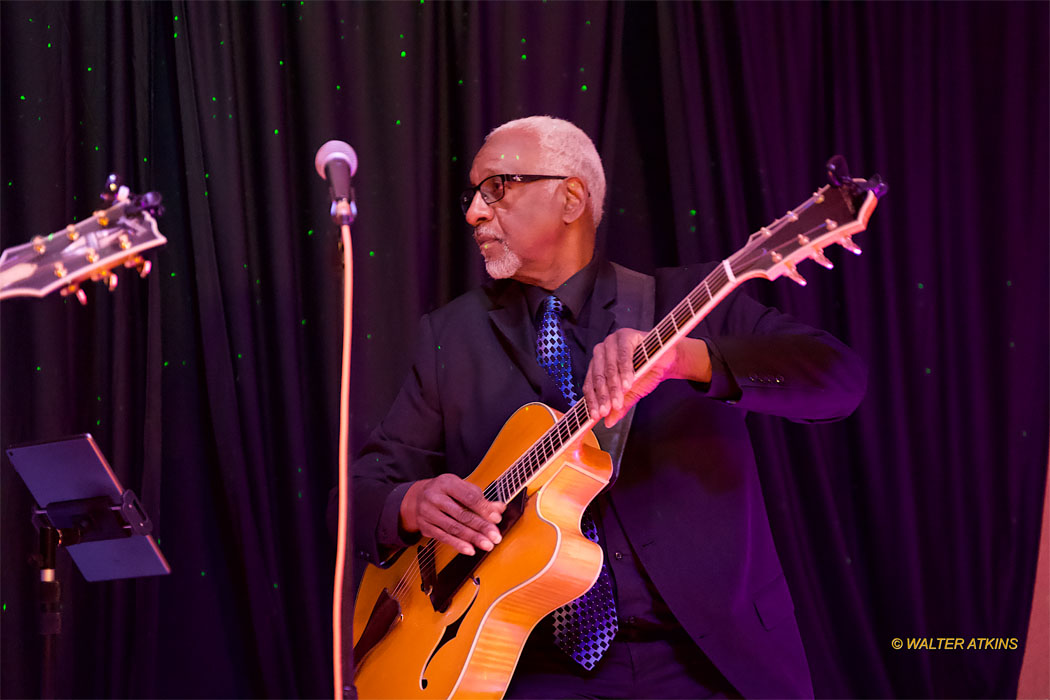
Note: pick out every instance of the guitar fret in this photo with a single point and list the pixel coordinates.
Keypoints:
(681, 315)
(563, 432)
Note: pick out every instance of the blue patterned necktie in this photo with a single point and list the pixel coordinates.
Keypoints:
(583, 628)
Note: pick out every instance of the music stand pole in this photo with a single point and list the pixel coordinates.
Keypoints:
(50, 609)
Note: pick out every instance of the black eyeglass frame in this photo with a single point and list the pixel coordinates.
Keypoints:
(466, 198)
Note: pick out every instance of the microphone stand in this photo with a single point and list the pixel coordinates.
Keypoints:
(343, 213)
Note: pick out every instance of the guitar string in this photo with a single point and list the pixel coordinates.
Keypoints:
(531, 463)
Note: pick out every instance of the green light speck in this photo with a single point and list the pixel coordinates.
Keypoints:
(692, 212)
(523, 57)
(308, 233)
(39, 368)
(303, 322)
(275, 132)
(929, 371)
(920, 285)
(23, 97)
(203, 573)
(583, 88)
(1009, 283)
(371, 253)
(172, 274)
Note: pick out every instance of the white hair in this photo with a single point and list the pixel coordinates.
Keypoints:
(569, 151)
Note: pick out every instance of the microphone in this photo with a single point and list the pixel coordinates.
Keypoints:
(336, 163)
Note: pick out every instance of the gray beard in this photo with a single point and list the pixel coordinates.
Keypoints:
(507, 265)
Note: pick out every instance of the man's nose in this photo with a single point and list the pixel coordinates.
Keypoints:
(479, 210)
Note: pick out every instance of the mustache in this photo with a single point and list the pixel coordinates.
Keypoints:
(486, 231)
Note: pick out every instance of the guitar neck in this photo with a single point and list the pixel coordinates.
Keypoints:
(577, 421)
(685, 316)
(830, 215)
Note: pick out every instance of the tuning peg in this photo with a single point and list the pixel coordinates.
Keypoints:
(847, 243)
(109, 278)
(38, 245)
(792, 273)
(76, 291)
(822, 259)
(137, 262)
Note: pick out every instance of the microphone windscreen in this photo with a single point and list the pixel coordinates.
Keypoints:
(335, 150)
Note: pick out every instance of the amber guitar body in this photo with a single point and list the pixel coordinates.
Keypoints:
(543, 562)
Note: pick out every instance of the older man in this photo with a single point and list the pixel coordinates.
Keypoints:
(692, 600)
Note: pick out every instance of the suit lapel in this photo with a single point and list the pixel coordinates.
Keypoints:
(602, 321)
(510, 319)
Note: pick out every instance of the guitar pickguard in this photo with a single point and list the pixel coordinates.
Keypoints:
(443, 585)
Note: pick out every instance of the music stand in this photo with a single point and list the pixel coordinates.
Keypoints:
(85, 509)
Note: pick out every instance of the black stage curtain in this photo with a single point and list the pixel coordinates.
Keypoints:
(212, 385)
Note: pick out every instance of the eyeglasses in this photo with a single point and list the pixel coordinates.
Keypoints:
(492, 188)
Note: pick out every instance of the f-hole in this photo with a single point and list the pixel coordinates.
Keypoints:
(450, 632)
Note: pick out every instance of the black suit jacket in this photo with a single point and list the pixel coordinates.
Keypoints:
(688, 491)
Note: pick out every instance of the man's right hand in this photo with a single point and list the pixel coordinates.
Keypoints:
(451, 510)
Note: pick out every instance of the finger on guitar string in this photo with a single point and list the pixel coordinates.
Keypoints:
(452, 511)
(611, 372)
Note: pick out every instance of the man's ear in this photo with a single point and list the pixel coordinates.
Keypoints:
(575, 199)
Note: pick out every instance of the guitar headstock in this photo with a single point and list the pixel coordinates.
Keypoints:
(833, 214)
(89, 250)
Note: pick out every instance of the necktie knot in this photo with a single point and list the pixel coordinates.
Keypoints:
(552, 306)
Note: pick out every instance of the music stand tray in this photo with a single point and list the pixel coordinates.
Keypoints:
(103, 525)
